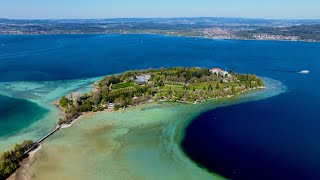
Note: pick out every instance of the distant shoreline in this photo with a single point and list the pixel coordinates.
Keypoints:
(162, 34)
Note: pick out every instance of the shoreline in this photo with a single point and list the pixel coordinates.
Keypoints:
(25, 164)
(161, 34)
(65, 126)
(84, 114)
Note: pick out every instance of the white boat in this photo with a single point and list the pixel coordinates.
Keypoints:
(304, 72)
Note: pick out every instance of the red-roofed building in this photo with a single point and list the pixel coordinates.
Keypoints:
(218, 71)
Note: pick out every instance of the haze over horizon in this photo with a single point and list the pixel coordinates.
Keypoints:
(85, 9)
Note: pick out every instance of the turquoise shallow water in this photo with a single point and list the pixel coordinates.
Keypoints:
(33, 115)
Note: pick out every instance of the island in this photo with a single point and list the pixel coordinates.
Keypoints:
(177, 84)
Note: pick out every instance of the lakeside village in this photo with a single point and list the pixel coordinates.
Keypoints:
(131, 88)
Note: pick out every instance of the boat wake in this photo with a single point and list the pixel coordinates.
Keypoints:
(304, 72)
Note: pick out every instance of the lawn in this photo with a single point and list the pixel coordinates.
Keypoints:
(167, 87)
(122, 85)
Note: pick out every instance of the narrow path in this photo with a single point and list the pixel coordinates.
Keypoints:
(36, 144)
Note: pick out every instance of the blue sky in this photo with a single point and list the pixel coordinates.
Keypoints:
(279, 9)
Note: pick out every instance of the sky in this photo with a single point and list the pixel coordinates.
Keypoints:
(56, 9)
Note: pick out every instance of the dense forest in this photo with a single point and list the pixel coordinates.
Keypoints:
(9, 160)
(181, 84)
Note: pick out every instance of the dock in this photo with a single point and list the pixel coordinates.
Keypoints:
(36, 144)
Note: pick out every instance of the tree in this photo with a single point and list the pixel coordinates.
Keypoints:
(86, 106)
(260, 82)
(64, 102)
(217, 86)
(9, 161)
(96, 97)
(233, 90)
(116, 107)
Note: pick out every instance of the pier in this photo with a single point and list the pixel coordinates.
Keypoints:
(36, 144)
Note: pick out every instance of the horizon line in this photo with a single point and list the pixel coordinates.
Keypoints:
(181, 17)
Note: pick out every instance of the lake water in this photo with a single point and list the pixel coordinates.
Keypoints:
(17, 114)
(274, 138)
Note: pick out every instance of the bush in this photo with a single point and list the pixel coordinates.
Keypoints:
(64, 102)
(116, 107)
(100, 108)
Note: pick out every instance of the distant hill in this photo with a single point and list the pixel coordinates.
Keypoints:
(209, 27)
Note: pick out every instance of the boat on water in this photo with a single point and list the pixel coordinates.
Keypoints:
(304, 72)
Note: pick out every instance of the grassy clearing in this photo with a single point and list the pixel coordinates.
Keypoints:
(167, 87)
(122, 85)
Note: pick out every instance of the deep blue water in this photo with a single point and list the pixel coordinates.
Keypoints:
(270, 139)
(17, 114)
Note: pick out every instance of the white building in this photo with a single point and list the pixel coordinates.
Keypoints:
(144, 78)
(218, 71)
